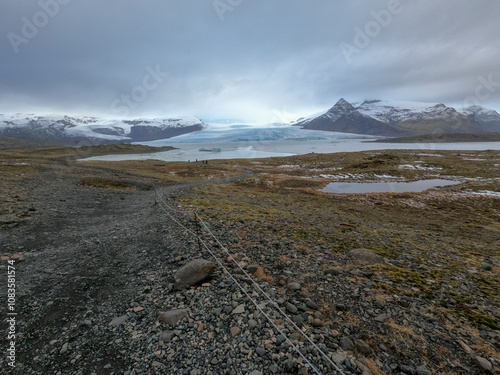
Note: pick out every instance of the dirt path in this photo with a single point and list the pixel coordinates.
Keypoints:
(88, 254)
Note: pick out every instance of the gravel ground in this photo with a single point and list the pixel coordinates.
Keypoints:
(95, 270)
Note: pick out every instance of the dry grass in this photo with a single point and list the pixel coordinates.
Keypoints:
(405, 340)
(381, 297)
(403, 330)
(303, 249)
(350, 319)
(107, 184)
(261, 275)
(373, 367)
(286, 258)
(52, 152)
(486, 350)
(167, 172)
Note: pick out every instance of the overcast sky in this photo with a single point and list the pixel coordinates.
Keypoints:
(266, 60)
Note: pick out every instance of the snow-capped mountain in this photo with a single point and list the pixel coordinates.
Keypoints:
(32, 126)
(377, 117)
(344, 117)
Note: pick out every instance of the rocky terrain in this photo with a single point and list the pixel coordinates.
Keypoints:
(380, 283)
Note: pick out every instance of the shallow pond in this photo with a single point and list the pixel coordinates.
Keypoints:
(387, 187)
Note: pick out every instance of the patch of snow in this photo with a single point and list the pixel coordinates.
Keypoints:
(343, 176)
(487, 193)
(289, 166)
(386, 176)
(419, 167)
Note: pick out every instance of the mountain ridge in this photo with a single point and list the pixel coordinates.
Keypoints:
(378, 117)
(75, 128)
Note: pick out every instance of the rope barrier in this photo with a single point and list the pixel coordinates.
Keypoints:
(164, 206)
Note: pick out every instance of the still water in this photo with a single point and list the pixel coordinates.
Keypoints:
(386, 187)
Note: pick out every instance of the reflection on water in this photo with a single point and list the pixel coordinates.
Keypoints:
(387, 187)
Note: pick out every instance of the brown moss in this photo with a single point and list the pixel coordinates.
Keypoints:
(107, 184)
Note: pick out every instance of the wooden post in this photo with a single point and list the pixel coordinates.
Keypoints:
(197, 223)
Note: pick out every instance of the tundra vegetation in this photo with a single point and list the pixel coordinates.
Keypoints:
(430, 298)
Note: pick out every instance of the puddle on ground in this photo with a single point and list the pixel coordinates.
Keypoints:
(386, 187)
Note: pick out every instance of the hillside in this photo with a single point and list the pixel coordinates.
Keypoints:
(444, 138)
(396, 119)
(93, 130)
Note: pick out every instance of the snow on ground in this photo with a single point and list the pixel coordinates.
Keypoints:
(385, 176)
(291, 166)
(486, 193)
(359, 177)
(419, 167)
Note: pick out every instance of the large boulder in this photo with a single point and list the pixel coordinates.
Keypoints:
(364, 256)
(193, 273)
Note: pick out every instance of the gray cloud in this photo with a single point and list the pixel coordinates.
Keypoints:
(251, 59)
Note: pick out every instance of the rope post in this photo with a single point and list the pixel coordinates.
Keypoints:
(197, 224)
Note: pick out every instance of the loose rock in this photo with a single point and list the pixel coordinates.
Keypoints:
(364, 256)
(422, 370)
(173, 316)
(193, 273)
(240, 309)
(485, 365)
(235, 331)
(346, 343)
(364, 348)
(118, 320)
